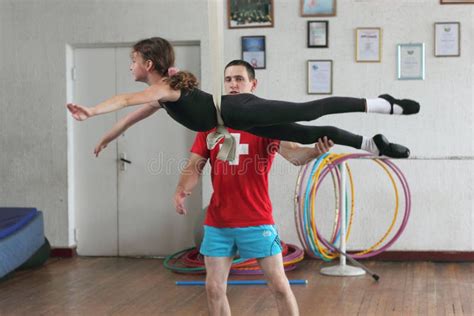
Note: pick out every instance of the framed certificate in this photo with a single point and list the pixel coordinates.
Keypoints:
(411, 61)
(456, 1)
(318, 34)
(368, 44)
(319, 76)
(447, 39)
(253, 51)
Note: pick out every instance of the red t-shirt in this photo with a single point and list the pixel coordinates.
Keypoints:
(240, 196)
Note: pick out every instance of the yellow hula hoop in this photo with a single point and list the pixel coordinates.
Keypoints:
(325, 252)
(299, 202)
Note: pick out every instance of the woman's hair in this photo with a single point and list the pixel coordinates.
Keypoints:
(161, 53)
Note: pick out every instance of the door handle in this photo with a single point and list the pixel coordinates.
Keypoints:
(124, 161)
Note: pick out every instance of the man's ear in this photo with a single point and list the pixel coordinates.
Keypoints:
(254, 85)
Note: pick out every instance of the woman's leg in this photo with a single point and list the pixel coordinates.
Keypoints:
(244, 111)
(377, 145)
(304, 134)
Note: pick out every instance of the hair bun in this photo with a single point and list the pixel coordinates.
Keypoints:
(172, 71)
(182, 80)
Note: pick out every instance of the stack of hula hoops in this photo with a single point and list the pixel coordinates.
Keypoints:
(305, 200)
(190, 261)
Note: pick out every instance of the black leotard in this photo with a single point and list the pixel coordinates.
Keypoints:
(194, 109)
(274, 119)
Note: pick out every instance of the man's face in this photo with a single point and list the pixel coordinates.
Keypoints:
(236, 80)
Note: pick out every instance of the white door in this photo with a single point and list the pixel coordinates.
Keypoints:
(95, 179)
(158, 148)
(129, 205)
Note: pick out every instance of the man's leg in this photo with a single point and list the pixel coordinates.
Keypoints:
(278, 283)
(217, 272)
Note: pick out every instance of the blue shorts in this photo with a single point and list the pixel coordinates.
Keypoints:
(250, 242)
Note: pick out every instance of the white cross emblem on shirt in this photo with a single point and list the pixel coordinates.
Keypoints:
(240, 149)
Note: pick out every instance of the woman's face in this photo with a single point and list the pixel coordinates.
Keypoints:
(138, 67)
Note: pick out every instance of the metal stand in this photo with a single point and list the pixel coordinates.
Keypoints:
(343, 269)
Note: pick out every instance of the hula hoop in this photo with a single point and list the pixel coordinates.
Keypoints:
(310, 237)
(190, 261)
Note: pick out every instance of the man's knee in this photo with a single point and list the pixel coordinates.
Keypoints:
(215, 290)
(280, 287)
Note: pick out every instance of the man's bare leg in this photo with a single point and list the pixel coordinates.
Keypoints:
(278, 283)
(217, 272)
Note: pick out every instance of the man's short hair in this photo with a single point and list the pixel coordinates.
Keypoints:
(248, 67)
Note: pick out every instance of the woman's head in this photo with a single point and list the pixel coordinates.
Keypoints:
(158, 54)
(157, 50)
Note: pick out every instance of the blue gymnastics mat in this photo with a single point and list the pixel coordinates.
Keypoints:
(21, 235)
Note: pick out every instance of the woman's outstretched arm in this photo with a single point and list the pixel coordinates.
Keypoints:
(151, 94)
(123, 124)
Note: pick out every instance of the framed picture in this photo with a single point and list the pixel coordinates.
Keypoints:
(456, 1)
(447, 39)
(318, 34)
(253, 51)
(368, 44)
(250, 13)
(319, 76)
(318, 7)
(411, 61)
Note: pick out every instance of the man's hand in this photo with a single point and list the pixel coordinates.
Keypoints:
(323, 145)
(79, 112)
(179, 199)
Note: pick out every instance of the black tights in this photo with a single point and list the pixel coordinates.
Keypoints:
(276, 119)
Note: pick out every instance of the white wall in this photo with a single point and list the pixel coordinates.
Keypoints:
(34, 35)
(33, 138)
(442, 188)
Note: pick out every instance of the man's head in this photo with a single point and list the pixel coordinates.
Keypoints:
(239, 77)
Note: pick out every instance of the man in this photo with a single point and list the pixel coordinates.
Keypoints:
(240, 213)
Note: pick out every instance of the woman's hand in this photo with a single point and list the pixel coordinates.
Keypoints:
(98, 148)
(79, 112)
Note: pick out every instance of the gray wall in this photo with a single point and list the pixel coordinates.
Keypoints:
(33, 138)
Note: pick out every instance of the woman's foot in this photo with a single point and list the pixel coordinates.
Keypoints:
(388, 149)
(404, 106)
